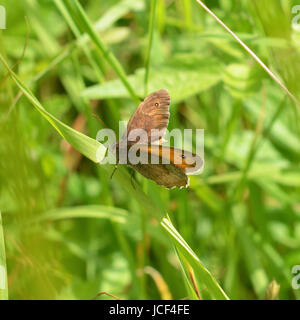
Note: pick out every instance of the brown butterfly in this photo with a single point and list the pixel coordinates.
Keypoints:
(167, 166)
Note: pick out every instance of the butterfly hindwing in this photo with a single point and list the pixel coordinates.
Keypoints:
(167, 166)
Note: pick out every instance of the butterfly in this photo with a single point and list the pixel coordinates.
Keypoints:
(167, 166)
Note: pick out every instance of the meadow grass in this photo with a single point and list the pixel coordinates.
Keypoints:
(69, 231)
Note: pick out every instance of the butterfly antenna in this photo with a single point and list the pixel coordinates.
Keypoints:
(23, 53)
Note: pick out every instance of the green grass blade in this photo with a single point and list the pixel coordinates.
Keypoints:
(65, 13)
(253, 55)
(187, 281)
(106, 21)
(84, 144)
(117, 11)
(87, 146)
(107, 53)
(91, 211)
(183, 248)
(194, 73)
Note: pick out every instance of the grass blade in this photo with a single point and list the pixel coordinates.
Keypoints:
(84, 144)
(150, 39)
(3, 274)
(107, 53)
(91, 211)
(87, 146)
(183, 248)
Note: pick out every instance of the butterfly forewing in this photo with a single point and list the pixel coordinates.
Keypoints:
(152, 116)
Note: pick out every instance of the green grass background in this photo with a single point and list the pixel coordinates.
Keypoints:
(68, 231)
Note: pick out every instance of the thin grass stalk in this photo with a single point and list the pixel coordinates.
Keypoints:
(256, 144)
(150, 40)
(183, 248)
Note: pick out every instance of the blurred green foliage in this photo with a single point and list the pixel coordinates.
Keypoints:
(70, 232)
